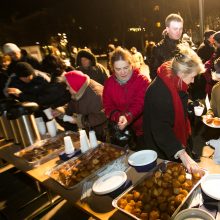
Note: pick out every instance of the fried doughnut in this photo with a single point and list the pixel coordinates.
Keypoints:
(216, 121)
(209, 120)
(196, 176)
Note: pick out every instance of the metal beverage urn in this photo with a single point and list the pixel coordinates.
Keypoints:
(5, 126)
(13, 114)
(1, 131)
(23, 122)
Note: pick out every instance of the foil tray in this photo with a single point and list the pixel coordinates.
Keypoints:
(86, 166)
(162, 167)
(47, 149)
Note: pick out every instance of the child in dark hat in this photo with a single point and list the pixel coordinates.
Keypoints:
(26, 82)
(23, 69)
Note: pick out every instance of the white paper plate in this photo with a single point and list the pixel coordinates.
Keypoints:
(210, 186)
(109, 182)
(194, 214)
(142, 157)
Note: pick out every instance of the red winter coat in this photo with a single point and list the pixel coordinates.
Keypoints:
(127, 98)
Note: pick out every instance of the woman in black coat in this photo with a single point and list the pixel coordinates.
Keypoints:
(166, 125)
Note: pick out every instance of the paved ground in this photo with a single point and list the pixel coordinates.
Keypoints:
(17, 189)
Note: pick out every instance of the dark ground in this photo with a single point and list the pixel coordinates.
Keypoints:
(16, 189)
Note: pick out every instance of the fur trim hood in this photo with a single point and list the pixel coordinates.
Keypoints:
(85, 53)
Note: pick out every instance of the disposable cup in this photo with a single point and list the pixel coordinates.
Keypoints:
(41, 127)
(48, 113)
(39, 119)
(198, 110)
(51, 128)
(69, 147)
(84, 141)
(92, 139)
(67, 118)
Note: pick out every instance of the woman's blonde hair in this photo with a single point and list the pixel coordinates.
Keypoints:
(120, 54)
(186, 61)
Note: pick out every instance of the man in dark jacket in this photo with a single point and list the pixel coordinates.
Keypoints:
(17, 56)
(87, 63)
(167, 47)
(32, 85)
(206, 48)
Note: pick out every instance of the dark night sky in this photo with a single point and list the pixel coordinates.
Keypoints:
(27, 21)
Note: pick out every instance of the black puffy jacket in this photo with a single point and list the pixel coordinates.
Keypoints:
(162, 52)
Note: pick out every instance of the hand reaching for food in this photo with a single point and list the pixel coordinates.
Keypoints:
(14, 91)
(189, 163)
(123, 122)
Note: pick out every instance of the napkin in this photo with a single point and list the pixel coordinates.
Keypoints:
(86, 190)
(207, 102)
(117, 165)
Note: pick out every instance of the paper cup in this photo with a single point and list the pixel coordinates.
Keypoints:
(69, 148)
(198, 110)
(41, 127)
(51, 128)
(48, 113)
(92, 139)
(82, 132)
(67, 118)
(39, 119)
(84, 141)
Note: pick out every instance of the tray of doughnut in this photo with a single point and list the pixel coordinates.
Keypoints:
(213, 122)
(79, 169)
(160, 194)
(47, 149)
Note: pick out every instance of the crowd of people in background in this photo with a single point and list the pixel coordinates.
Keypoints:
(149, 92)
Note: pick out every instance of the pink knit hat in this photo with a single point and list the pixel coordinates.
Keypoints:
(76, 79)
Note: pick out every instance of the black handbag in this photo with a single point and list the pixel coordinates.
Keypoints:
(117, 136)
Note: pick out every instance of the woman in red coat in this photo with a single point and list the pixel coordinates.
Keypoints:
(124, 91)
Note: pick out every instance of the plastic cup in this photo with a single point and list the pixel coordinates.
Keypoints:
(39, 119)
(69, 147)
(67, 118)
(92, 139)
(41, 127)
(84, 141)
(48, 113)
(51, 128)
(198, 110)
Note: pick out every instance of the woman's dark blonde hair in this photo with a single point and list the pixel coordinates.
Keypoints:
(120, 54)
(186, 61)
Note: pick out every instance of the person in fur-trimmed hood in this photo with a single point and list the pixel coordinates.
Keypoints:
(85, 106)
(87, 63)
